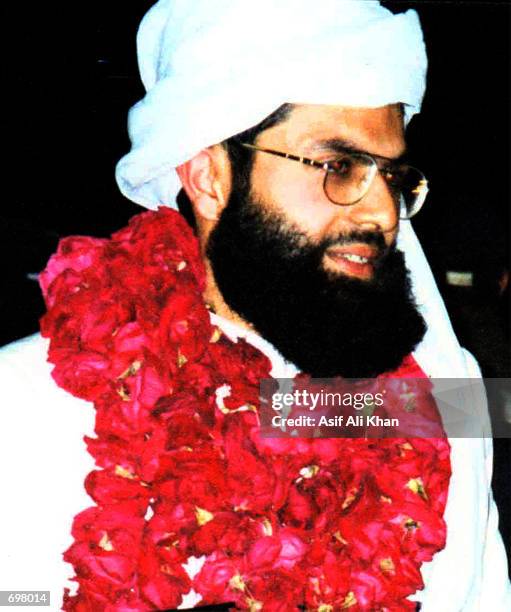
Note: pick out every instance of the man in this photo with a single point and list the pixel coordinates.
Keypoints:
(297, 222)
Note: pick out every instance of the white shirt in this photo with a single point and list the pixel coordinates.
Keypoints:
(44, 464)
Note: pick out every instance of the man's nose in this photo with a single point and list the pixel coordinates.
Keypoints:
(378, 210)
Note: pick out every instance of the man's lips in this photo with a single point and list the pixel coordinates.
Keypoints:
(355, 259)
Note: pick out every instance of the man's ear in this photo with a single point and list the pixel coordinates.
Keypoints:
(206, 179)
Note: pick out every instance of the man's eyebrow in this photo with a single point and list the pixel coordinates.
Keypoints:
(341, 145)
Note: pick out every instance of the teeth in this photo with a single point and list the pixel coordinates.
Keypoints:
(355, 258)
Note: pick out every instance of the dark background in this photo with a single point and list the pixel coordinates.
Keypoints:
(71, 76)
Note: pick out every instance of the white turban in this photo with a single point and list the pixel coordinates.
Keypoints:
(214, 68)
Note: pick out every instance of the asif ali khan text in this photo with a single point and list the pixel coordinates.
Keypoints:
(306, 409)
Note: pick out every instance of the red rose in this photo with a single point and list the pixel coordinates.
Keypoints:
(84, 375)
(280, 551)
(162, 579)
(75, 253)
(230, 532)
(212, 582)
(105, 486)
(278, 590)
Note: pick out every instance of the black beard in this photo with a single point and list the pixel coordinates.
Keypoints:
(328, 325)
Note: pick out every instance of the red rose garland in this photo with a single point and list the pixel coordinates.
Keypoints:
(328, 524)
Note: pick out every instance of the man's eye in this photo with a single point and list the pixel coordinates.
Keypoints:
(393, 177)
(342, 166)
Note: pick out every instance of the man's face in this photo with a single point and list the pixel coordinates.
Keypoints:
(296, 190)
(288, 261)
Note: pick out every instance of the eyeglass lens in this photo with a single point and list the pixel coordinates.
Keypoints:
(352, 176)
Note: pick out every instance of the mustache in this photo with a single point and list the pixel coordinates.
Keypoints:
(373, 239)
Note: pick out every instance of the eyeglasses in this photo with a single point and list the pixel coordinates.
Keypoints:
(349, 177)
